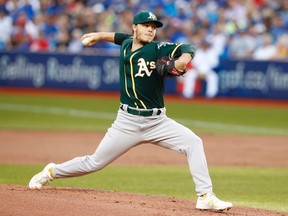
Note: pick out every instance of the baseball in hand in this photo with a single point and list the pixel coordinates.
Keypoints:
(86, 41)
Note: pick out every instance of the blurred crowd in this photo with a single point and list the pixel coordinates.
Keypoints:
(237, 29)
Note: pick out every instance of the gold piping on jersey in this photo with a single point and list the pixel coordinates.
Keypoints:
(125, 77)
(133, 82)
(173, 52)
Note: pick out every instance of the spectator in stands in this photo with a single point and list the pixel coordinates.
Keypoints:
(177, 33)
(283, 12)
(22, 7)
(63, 36)
(75, 45)
(186, 18)
(6, 27)
(50, 30)
(217, 37)
(203, 64)
(266, 50)
(242, 45)
(21, 38)
(278, 27)
(236, 11)
(282, 48)
(170, 9)
(40, 44)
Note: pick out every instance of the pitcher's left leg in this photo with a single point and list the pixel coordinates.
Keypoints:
(175, 136)
(172, 135)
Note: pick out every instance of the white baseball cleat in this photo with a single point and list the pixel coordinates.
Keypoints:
(41, 178)
(211, 202)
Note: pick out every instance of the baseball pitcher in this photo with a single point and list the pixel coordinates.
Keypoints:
(141, 118)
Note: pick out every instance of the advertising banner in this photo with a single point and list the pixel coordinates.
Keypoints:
(59, 71)
(63, 71)
(253, 79)
(256, 79)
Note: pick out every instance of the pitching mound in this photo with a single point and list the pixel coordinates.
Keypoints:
(18, 200)
(71, 201)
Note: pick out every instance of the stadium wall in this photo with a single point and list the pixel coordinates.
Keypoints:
(253, 79)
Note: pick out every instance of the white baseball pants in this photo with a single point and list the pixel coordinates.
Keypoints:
(128, 131)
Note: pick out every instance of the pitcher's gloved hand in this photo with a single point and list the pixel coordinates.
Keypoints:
(165, 66)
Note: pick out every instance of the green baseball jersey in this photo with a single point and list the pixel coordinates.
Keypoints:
(140, 84)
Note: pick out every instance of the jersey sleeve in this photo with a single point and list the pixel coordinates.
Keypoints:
(188, 48)
(174, 50)
(120, 37)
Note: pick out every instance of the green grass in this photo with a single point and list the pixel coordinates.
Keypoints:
(254, 187)
(56, 113)
(67, 113)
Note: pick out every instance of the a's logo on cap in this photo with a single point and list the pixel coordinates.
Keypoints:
(152, 16)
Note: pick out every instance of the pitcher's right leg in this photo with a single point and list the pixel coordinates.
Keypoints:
(114, 144)
(121, 137)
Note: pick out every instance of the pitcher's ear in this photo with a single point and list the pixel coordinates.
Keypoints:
(133, 28)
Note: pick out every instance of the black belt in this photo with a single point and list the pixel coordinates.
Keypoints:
(139, 112)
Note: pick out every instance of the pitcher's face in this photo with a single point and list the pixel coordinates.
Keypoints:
(145, 32)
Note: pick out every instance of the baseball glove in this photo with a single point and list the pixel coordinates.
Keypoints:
(165, 66)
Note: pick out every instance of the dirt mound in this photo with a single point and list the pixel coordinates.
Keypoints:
(16, 147)
(19, 200)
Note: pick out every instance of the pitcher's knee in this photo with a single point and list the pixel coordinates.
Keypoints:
(198, 141)
(193, 140)
(194, 144)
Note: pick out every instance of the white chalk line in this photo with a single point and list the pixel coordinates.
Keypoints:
(111, 116)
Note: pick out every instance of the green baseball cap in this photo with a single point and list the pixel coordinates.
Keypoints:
(146, 16)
